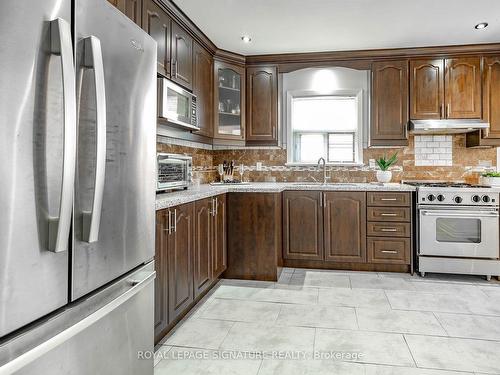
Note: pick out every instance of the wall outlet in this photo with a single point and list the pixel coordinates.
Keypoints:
(259, 166)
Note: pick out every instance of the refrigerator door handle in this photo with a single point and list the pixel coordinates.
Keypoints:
(92, 59)
(61, 44)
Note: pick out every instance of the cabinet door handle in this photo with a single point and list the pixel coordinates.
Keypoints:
(175, 220)
(175, 68)
(274, 132)
(216, 206)
(389, 251)
(448, 110)
(388, 199)
(169, 230)
(388, 230)
(386, 214)
(321, 199)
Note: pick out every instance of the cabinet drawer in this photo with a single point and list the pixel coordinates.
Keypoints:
(388, 229)
(388, 250)
(388, 199)
(388, 214)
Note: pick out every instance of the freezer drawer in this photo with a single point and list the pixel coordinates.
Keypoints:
(100, 335)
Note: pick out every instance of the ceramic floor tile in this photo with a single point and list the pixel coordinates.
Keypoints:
(310, 367)
(421, 301)
(449, 288)
(424, 323)
(470, 326)
(396, 370)
(377, 282)
(304, 296)
(200, 333)
(317, 316)
(372, 298)
(321, 279)
(161, 353)
(187, 361)
(455, 353)
(373, 347)
(268, 338)
(243, 311)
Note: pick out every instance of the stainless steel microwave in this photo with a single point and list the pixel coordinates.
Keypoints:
(173, 171)
(176, 105)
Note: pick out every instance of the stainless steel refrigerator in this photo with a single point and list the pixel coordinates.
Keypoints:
(77, 189)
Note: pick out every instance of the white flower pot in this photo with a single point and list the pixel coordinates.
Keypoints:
(384, 176)
(489, 181)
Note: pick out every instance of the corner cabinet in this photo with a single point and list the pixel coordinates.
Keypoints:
(262, 105)
(229, 101)
(491, 106)
(182, 57)
(389, 103)
(445, 89)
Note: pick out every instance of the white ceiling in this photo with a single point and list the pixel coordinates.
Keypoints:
(279, 26)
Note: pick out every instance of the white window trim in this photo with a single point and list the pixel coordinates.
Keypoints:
(357, 93)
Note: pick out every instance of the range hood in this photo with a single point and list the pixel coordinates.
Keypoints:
(446, 126)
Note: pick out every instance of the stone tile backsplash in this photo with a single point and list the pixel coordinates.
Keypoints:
(434, 150)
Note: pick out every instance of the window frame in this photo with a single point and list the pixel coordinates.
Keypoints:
(358, 142)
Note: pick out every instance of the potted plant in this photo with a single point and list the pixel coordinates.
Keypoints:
(384, 174)
(490, 179)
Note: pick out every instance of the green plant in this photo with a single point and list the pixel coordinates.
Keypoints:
(385, 163)
(491, 174)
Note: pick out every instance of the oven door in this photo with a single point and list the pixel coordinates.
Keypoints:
(459, 232)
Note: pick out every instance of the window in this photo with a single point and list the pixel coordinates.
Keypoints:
(327, 126)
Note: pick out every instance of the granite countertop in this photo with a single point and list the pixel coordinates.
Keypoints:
(166, 200)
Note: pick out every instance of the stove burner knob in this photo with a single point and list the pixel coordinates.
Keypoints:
(431, 197)
(440, 197)
(457, 199)
(486, 199)
(476, 198)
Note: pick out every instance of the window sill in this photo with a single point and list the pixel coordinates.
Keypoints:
(296, 164)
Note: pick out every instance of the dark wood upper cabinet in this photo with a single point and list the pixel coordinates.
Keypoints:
(345, 226)
(219, 256)
(203, 81)
(180, 259)
(302, 225)
(158, 24)
(182, 57)
(491, 106)
(229, 101)
(131, 8)
(463, 88)
(389, 103)
(262, 105)
(161, 280)
(202, 264)
(426, 89)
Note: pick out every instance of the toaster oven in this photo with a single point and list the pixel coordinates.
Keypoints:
(173, 171)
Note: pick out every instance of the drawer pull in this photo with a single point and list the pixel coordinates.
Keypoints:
(389, 199)
(388, 230)
(389, 251)
(386, 214)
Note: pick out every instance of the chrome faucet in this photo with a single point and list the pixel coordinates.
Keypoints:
(324, 168)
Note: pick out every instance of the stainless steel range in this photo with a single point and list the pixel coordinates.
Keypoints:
(458, 229)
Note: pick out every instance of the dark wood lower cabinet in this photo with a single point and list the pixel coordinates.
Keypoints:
(219, 240)
(180, 260)
(161, 281)
(345, 226)
(203, 238)
(302, 225)
(254, 236)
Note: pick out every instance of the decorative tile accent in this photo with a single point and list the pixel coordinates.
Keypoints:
(433, 150)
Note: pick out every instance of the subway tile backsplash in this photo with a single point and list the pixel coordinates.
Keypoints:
(434, 150)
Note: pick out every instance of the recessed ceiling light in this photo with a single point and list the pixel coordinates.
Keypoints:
(246, 39)
(481, 25)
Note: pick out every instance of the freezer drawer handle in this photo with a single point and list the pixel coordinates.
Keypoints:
(92, 59)
(61, 44)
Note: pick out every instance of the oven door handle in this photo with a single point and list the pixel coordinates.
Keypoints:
(470, 214)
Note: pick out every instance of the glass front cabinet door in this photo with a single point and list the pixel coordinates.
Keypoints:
(229, 100)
